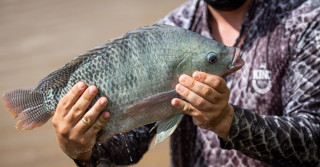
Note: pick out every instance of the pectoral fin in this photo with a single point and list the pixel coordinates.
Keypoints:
(156, 102)
(157, 107)
(166, 127)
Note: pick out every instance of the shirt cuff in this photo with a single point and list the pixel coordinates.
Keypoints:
(234, 129)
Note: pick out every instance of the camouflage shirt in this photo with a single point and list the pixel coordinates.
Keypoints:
(276, 95)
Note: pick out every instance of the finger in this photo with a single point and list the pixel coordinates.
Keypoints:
(185, 107)
(98, 124)
(91, 116)
(70, 99)
(194, 99)
(216, 82)
(82, 104)
(199, 88)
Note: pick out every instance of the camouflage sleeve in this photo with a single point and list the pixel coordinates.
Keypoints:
(276, 140)
(293, 138)
(114, 152)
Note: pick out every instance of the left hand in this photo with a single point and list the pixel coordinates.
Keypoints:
(207, 97)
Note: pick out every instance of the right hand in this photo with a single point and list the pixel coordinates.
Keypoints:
(76, 138)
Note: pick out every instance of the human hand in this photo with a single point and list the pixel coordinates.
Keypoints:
(207, 97)
(75, 136)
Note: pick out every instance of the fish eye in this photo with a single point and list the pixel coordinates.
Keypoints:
(212, 58)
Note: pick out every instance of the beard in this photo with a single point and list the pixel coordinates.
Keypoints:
(225, 5)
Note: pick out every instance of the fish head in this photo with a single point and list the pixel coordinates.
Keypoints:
(218, 60)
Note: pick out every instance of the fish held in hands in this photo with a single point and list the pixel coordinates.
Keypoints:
(137, 72)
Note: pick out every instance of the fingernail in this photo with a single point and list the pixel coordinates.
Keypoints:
(183, 79)
(196, 76)
(92, 90)
(105, 115)
(80, 85)
(103, 101)
(174, 102)
(179, 88)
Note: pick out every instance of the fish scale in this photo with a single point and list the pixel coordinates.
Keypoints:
(137, 72)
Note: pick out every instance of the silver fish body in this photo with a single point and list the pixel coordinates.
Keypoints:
(137, 72)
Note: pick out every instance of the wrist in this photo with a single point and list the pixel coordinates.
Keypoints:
(86, 156)
(222, 126)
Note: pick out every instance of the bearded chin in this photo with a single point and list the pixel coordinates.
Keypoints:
(225, 5)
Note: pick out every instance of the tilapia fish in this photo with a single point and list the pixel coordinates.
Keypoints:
(137, 72)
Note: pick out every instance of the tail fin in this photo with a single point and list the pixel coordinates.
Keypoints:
(27, 106)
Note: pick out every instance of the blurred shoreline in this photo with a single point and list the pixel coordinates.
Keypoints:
(38, 37)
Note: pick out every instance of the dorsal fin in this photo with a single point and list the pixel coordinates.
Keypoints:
(136, 31)
(59, 78)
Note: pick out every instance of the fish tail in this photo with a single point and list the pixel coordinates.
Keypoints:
(27, 106)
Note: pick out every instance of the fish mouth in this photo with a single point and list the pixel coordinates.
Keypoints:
(237, 62)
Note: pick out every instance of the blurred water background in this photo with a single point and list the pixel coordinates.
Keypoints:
(37, 37)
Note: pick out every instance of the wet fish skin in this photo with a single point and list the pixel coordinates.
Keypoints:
(137, 72)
